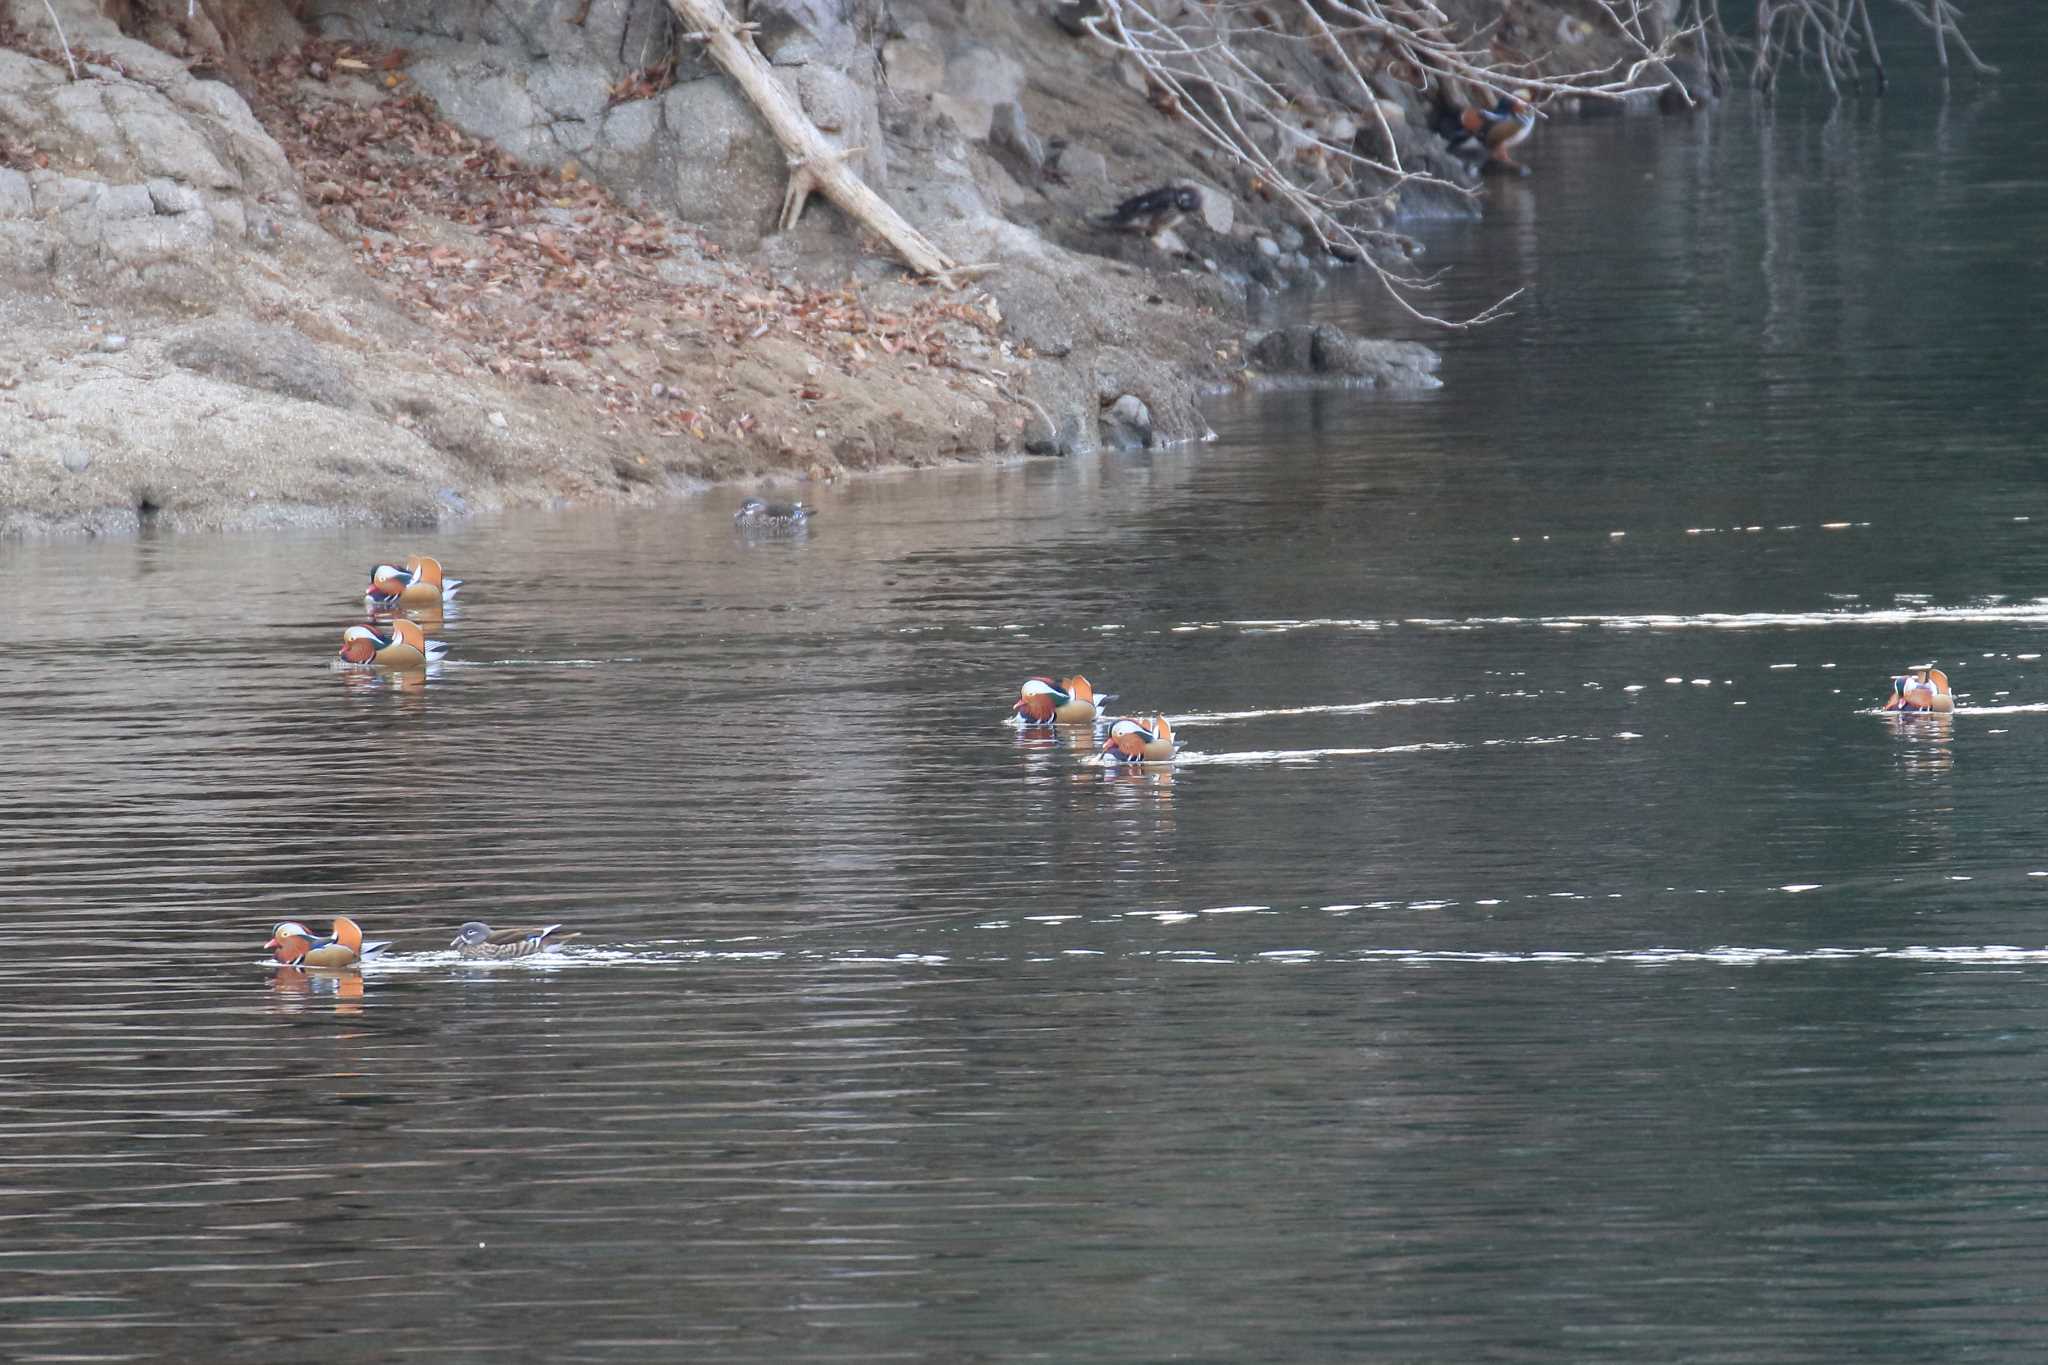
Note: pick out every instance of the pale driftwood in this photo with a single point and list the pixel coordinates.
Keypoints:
(814, 164)
(61, 42)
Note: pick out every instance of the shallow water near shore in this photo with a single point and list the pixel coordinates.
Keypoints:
(1539, 954)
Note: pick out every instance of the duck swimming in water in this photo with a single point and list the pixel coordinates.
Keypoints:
(400, 644)
(760, 512)
(418, 584)
(1921, 689)
(1070, 701)
(294, 945)
(1135, 741)
(477, 939)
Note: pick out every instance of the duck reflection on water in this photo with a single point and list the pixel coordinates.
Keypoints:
(297, 989)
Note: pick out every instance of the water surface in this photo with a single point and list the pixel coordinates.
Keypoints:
(1541, 954)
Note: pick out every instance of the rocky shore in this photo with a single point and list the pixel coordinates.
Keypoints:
(428, 259)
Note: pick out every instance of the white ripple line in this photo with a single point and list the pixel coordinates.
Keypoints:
(1333, 709)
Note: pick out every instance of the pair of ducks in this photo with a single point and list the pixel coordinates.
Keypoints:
(1072, 701)
(294, 945)
(1921, 689)
(400, 643)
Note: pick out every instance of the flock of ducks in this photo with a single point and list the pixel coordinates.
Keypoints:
(392, 639)
(1043, 703)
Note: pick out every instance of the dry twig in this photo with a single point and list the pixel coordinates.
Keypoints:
(1317, 167)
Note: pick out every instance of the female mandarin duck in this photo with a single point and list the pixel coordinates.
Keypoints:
(1921, 689)
(1134, 741)
(781, 515)
(293, 944)
(1489, 133)
(477, 939)
(401, 644)
(1070, 701)
(418, 584)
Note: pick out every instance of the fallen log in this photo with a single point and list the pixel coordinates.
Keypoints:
(815, 165)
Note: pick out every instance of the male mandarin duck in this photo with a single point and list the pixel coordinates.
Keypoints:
(400, 644)
(759, 512)
(1134, 741)
(1071, 701)
(418, 584)
(1921, 689)
(294, 945)
(1489, 133)
(477, 939)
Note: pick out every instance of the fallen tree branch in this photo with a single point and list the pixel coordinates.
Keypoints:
(815, 165)
(61, 41)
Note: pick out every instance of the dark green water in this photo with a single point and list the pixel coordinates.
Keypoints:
(1540, 956)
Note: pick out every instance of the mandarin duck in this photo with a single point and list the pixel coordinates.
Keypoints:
(760, 512)
(477, 939)
(1921, 689)
(1070, 701)
(1487, 134)
(294, 945)
(1153, 212)
(418, 584)
(1135, 741)
(400, 644)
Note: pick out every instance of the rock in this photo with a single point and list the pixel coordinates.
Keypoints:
(1324, 351)
(169, 197)
(971, 116)
(75, 459)
(986, 74)
(1083, 165)
(1219, 212)
(112, 343)
(721, 172)
(1267, 246)
(497, 419)
(119, 203)
(1008, 129)
(912, 68)
(1289, 238)
(1071, 14)
(1034, 314)
(1388, 364)
(1128, 424)
(15, 200)
(261, 356)
(1284, 350)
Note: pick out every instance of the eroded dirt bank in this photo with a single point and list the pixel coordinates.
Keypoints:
(442, 257)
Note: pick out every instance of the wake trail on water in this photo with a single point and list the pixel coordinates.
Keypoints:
(1356, 708)
(1904, 614)
(1723, 955)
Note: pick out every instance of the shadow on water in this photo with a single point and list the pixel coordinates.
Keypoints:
(1541, 955)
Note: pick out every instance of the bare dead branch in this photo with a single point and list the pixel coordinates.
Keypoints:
(1305, 150)
(61, 40)
(814, 164)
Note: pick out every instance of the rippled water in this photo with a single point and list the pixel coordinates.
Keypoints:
(1539, 954)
